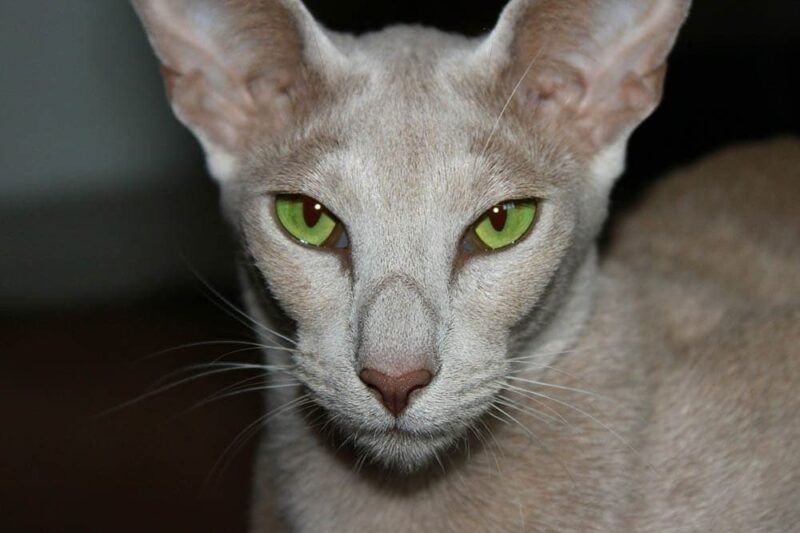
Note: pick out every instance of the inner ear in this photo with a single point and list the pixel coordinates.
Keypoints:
(588, 70)
(235, 70)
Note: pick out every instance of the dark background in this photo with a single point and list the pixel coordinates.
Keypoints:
(106, 213)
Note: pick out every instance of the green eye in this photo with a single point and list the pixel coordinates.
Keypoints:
(505, 224)
(309, 221)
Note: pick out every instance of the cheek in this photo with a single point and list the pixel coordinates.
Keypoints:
(313, 286)
(495, 290)
(495, 294)
(475, 345)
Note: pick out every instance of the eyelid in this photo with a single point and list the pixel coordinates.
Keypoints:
(503, 201)
(476, 218)
(274, 195)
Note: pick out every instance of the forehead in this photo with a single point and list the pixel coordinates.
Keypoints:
(412, 129)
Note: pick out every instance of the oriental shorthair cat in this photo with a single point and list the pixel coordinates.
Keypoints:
(444, 347)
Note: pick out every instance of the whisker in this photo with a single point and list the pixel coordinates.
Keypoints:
(213, 343)
(485, 446)
(540, 365)
(344, 441)
(241, 439)
(320, 416)
(527, 410)
(439, 461)
(563, 387)
(521, 391)
(233, 314)
(539, 355)
(245, 382)
(362, 458)
(465, 440)
(170, 386)
(508, 102)
(218, 362)
(240, 312)
(597, 421)
(243, 350)
(218, 365)
(537, 440)
(496, 445)
(244, 438)
(238, 391)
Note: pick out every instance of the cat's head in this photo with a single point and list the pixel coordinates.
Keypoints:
(420, 204)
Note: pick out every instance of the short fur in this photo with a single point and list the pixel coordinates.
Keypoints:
(650, 391)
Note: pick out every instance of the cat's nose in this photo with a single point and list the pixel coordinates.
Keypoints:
(395, 390)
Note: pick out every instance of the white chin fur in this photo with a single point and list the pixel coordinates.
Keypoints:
(402, 452)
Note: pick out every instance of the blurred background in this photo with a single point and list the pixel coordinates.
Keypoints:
(109, 234)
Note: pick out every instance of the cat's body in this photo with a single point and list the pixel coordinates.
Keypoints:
(525, 385)
(690, 356)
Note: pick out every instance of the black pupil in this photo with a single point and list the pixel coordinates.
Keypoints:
(312, 211)
(497, 217)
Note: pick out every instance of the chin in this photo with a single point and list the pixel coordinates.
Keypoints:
(403, 446)
(403, 451)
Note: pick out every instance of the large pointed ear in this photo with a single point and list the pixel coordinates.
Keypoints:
(591, 68)
(236, 69)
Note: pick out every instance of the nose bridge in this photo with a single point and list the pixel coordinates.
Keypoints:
(404, 250)
(398, 325)
(401, 290)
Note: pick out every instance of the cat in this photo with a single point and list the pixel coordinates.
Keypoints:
(445, 348)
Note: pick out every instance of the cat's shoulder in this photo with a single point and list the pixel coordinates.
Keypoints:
(713, 252)
(717, 242)
(731, 220)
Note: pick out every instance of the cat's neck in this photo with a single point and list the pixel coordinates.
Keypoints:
(564, 327)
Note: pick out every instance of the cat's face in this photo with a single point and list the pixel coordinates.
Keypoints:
(407, 140)
(403, 169)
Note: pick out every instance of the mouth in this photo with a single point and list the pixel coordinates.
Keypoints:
(396, 447)
(409, 444)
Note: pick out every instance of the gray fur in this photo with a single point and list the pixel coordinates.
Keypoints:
(562, 400)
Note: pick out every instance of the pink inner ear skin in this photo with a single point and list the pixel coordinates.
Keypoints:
(214, 116)
(233, 69)
(591, 70)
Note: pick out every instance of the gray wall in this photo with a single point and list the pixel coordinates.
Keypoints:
(82, 108)
(103, 193)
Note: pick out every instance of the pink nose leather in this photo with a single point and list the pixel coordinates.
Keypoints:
(395, 390)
